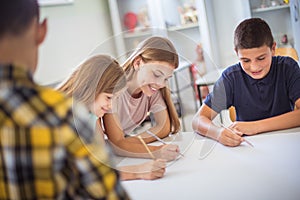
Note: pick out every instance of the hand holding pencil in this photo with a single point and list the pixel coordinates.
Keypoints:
(159, 139)
(244, 140)
(230, 137)
(168, 152)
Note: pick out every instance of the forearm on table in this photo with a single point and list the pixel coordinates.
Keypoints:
(128, 172)
(205, 127)
(284, 121)
(161, 132)
(133, 149)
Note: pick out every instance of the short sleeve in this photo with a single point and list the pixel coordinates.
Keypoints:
(221, 96)
(157, 103)
(293, 79)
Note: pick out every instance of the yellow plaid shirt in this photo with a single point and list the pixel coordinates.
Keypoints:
(47, 148)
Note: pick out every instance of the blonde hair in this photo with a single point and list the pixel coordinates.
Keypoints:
(100, 73)
(157, 49)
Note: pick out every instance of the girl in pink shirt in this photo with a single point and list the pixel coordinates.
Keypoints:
(147, 70)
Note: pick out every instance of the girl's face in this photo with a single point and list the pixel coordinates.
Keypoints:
(154, 75)
(102, 104)
(256, 62)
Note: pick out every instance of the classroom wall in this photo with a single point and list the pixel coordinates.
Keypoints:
(74, 30)
(227, 15)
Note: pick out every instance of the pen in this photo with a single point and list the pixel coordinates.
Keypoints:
(146, 147)
(235, 133)
(159, 139)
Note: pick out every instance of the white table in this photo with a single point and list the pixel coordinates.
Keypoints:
(270, 170)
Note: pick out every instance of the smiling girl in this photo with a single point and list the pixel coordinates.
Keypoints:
(148, 70)
(95, 83)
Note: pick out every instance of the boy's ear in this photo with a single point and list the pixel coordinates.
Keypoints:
(273, 48)
(42, 32)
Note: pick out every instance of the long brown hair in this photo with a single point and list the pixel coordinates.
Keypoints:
(100, 73)
(157, 49)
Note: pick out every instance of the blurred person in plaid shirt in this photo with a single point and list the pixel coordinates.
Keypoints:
(47, 146)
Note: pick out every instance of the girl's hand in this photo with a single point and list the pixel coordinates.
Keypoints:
(151, 170)
(168, 152)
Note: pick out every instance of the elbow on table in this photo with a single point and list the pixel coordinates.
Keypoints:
(195, 122)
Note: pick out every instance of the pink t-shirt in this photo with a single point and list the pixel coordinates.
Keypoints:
(133, 111)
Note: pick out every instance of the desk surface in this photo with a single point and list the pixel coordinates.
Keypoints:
(209, 170)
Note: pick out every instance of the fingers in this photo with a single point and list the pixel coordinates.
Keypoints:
(230, 138)
(235, 129)
(237, 132)
(169, 152)
(154, 174)
(158, 169)
(160, 163)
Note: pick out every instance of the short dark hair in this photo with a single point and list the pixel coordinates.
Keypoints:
(252, 33)
(16, 15)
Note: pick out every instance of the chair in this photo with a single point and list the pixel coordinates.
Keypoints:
(287, 51)
(232, 114)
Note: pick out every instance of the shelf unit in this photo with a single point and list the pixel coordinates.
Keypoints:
(277, 16)
(271, 8)
(54, 2)
(164, 20)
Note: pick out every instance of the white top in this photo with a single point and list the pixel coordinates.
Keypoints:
(133, 111)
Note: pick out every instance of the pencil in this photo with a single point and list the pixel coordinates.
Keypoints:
(146, 147)
(159, 139)
(235, 133)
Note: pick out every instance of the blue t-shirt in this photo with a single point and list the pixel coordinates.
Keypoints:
(256, 99)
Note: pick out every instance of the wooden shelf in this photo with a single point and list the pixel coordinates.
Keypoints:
(54, 2)
(183, 27)
(258, 10)
(137, 33)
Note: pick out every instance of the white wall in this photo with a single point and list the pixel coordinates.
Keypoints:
(227, 15)
(74, 30)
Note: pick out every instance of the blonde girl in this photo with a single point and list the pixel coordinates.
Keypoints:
(147, 71)
(94, 83)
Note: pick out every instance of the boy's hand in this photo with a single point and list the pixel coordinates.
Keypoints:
(230, 138)
(244, 128)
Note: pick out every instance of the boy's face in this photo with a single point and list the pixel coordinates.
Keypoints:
(256, 62)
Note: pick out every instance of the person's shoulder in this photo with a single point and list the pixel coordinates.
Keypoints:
(285, 64)
(156, 96)
(66, 110)
(54, 98)
(284, 60)
(232, 70)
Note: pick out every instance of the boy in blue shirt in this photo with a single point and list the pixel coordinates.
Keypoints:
(263, 88)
